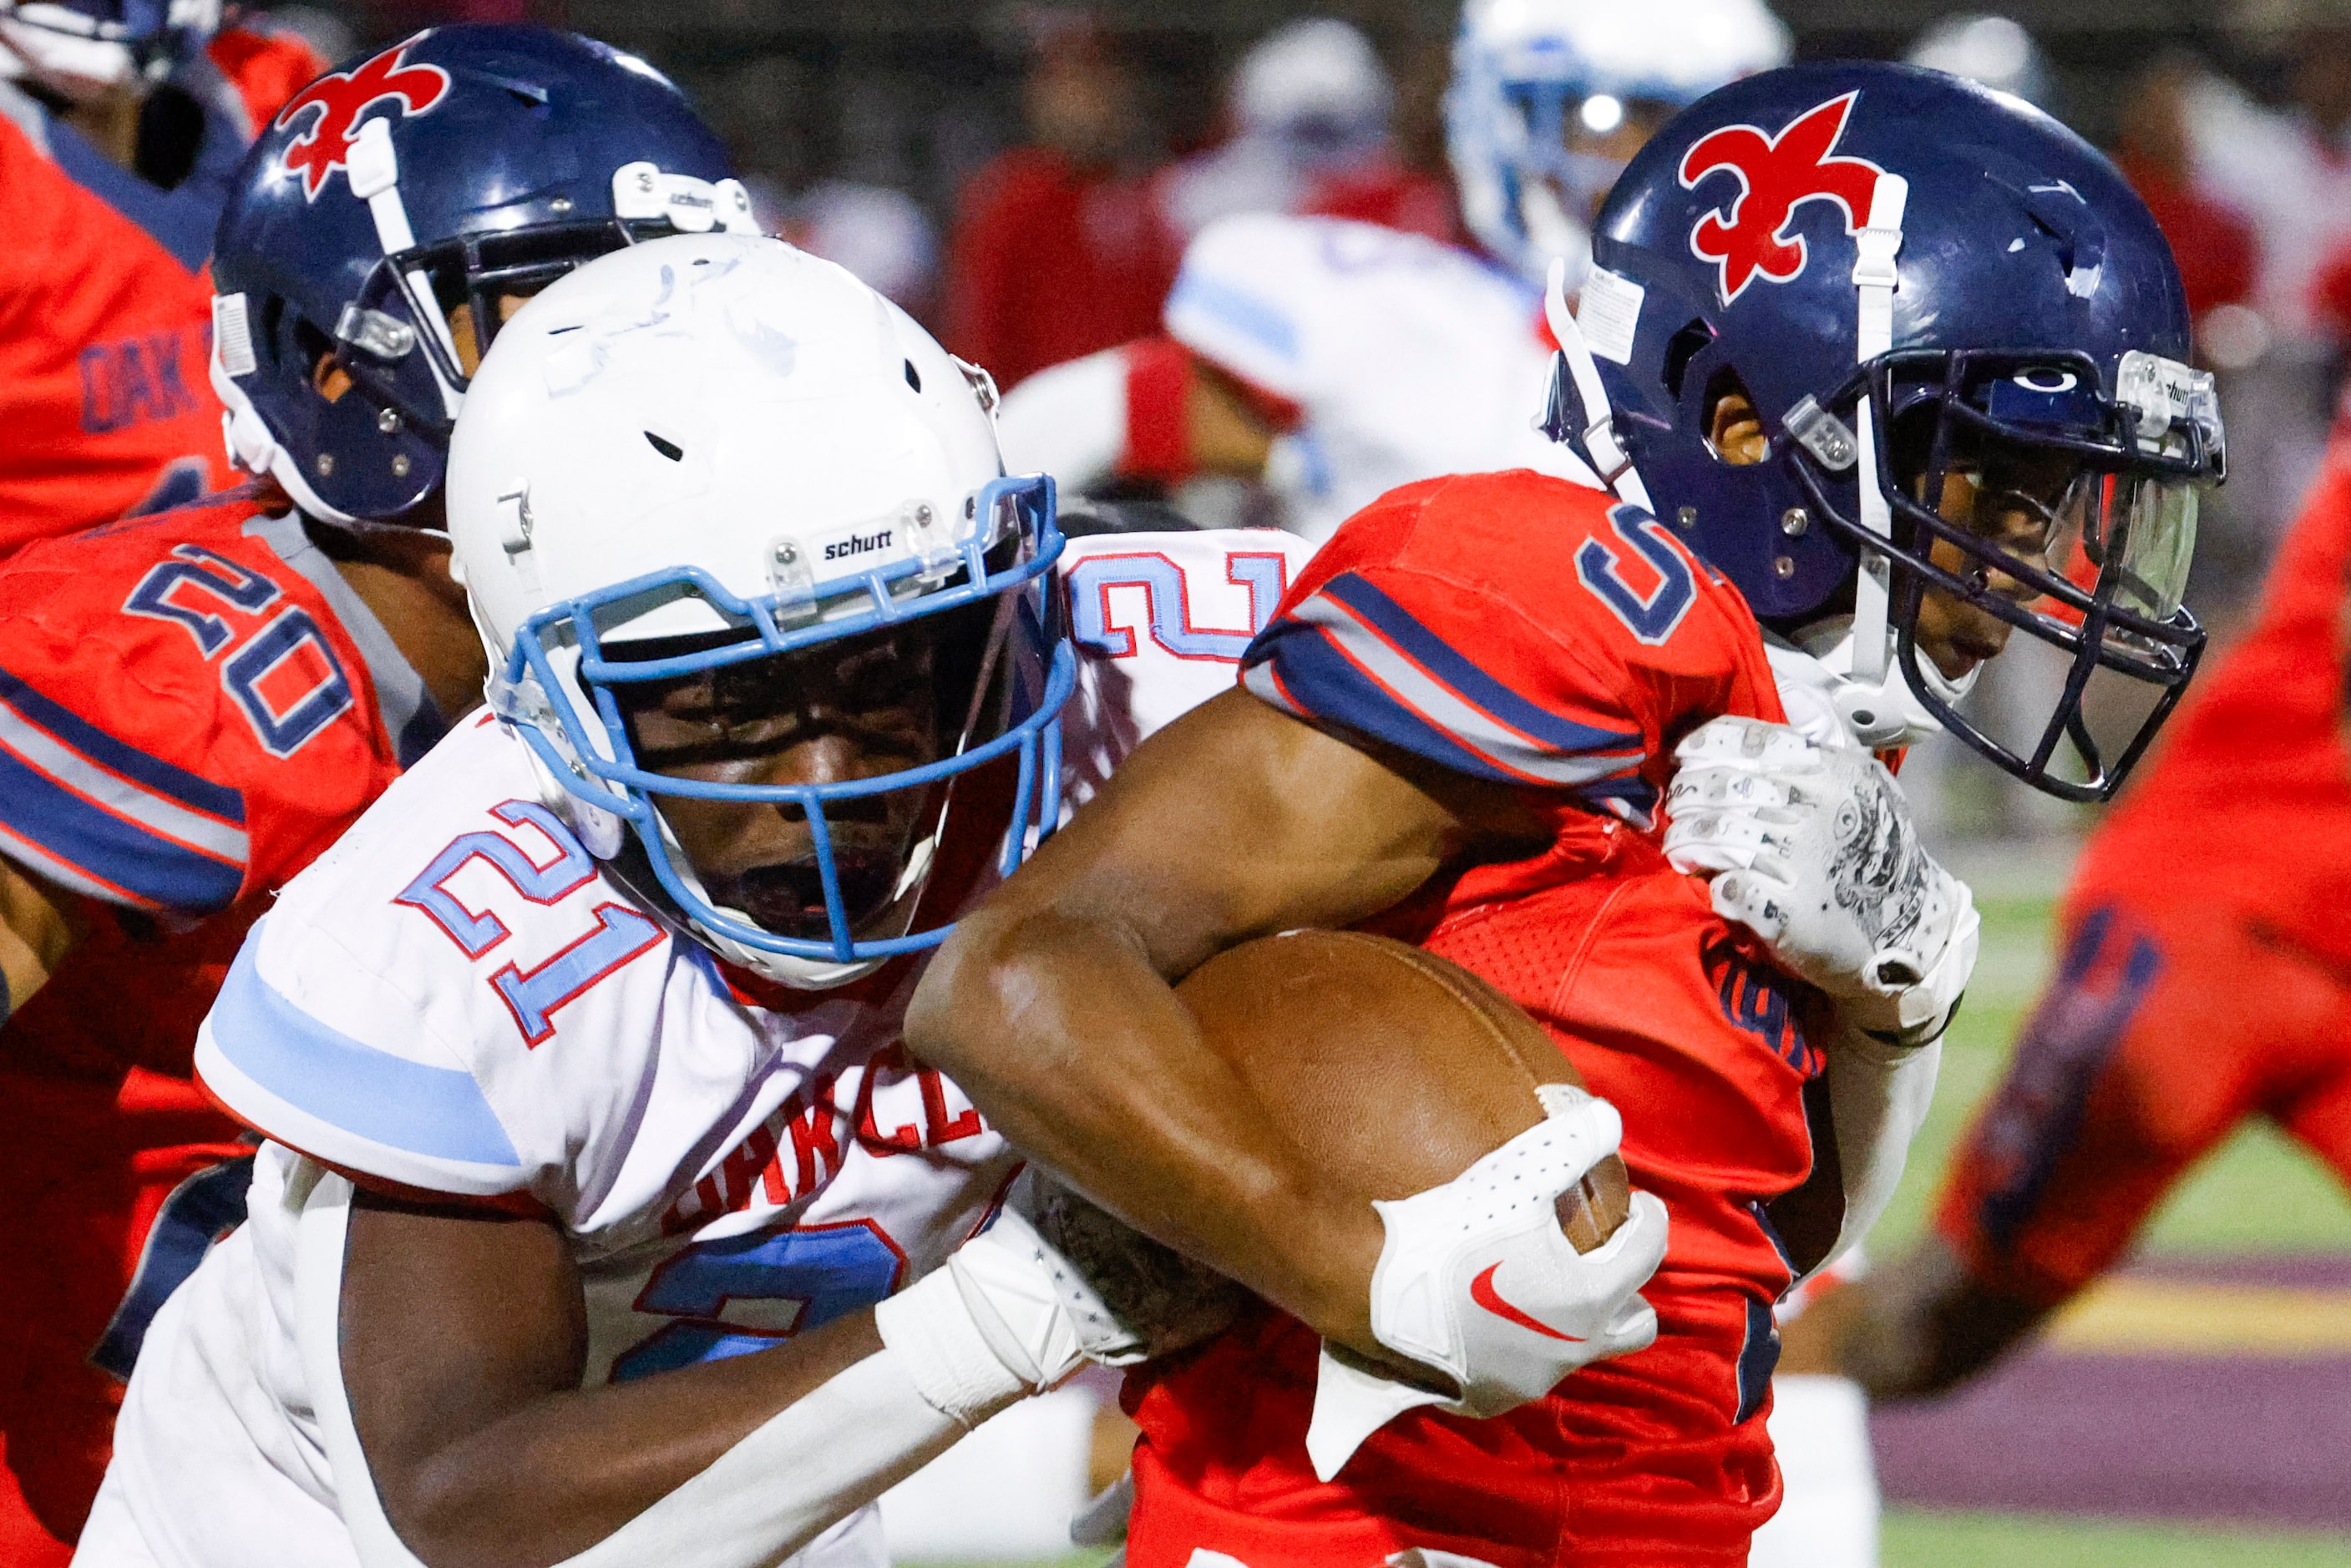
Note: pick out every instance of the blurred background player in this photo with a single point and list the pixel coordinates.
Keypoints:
(1312, 114)
(121, 122)
(2187, 999)
(1057, 248)
(1332, 361)
(193, 706)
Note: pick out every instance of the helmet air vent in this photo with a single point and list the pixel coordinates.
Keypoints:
(913, 376)
(668, 449)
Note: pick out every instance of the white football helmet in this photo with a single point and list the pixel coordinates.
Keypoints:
(1992, 50)
(706, 451)
(1528, 73)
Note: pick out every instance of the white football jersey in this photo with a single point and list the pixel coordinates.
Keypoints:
(458, 998)
(1409, 359)
(1160, 621)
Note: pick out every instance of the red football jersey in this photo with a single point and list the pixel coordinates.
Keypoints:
(2255, 758)
(1519, 630)
(103, 340)
(192, 706)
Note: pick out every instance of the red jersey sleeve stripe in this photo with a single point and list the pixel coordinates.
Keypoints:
(191, 790)
(1338, 667)
(40, 862)
(111, 851)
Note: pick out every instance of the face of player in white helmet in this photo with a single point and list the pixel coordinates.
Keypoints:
(835, 713)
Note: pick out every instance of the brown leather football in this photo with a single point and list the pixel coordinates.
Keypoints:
(1390, 1069)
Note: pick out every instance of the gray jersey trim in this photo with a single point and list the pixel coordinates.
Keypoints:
(409, 715)
(19, 109)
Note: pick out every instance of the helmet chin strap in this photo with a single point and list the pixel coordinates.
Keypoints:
(1815, 675)
(1607, 454)
(374, 170)
(1873, 694)
(1874, 279)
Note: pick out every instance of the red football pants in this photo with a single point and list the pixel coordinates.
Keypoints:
(2168, 1023)
(88, 1164)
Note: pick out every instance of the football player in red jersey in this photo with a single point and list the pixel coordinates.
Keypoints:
(193, 705)
(1457, 729)
(120, 125)
(2170, 1021)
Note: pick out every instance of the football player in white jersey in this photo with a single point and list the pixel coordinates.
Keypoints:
(579, 1057)
(1336, 360)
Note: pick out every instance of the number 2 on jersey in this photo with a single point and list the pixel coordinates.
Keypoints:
(284, 676)
(744, 1293)
(532, 994)
(1167, 596)
(1651, 617)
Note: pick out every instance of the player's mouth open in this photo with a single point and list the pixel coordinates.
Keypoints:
(788, 897)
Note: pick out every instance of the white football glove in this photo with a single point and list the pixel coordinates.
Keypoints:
(1813, 849)
(1477, 1280)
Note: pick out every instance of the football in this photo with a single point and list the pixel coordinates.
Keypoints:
(1394, 1070)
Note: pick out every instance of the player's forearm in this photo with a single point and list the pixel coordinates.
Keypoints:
(1073, 1045)
(565, 1470)
(36, 935)
(1925, 1326)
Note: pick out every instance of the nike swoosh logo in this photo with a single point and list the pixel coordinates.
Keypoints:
(1482, 1291)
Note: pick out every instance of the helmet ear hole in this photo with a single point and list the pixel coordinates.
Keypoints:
(1733, 426)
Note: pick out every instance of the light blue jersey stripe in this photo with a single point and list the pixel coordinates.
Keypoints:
(436, 1112)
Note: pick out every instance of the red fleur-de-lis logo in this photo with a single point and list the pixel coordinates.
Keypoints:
(341, 98)
(1776, 174)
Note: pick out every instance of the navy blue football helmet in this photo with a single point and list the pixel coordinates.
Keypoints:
(1944, 307)
(401, 204)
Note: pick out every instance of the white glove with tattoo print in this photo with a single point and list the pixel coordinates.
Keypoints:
(1813, 849)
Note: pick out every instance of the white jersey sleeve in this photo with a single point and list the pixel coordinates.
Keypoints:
(1408, 359)
(451, 999)
(1160, 621)
(1069, 421)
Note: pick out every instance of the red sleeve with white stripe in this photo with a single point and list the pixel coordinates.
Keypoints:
(1518, 630)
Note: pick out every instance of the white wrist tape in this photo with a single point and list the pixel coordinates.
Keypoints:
(833, 1451)
(930, 1329)
(1878, 1099)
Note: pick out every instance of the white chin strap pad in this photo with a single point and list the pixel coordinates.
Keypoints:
(1874, 281)
(1615, 468)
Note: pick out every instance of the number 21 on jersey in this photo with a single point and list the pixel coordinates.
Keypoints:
(532, 995)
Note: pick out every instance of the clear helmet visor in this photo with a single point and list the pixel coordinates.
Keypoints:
(2044, 528)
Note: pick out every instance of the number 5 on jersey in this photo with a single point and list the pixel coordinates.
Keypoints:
(532, 995)
(1652, 615)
